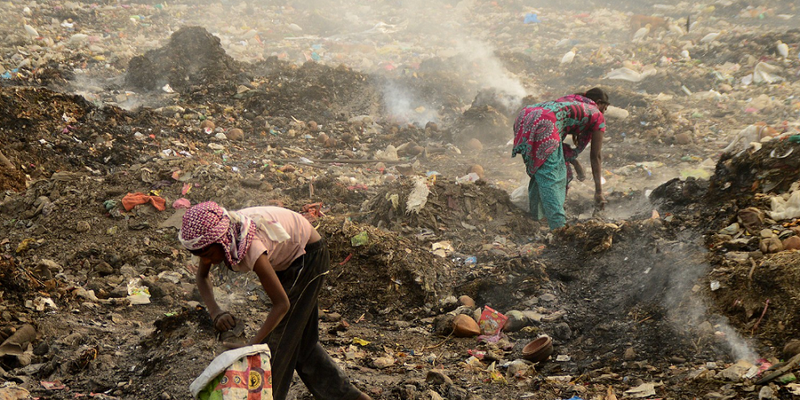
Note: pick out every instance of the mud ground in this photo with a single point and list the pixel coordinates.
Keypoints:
(626, 295)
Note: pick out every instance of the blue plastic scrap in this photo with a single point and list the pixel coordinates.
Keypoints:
(532, 18)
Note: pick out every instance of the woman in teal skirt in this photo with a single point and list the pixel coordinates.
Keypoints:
(539, 132)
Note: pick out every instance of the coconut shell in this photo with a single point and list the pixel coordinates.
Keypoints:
(466, 301)
(477, 169)
(475, 145)
(207, 126)
(791, 243)
(235, 134)
(465, 326)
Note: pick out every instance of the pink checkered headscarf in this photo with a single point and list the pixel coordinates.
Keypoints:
(208, 223)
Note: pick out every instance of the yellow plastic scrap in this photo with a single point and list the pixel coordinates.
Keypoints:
(497, 377)
(360, 342)
(25, 244)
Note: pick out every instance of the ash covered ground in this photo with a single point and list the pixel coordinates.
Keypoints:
(685, 286)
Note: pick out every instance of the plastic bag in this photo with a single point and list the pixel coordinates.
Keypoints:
(361, 239)
(418, 197)
(786, 208)
(239, 374)
(519, 197)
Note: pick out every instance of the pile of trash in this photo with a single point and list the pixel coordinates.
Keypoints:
(192, 58)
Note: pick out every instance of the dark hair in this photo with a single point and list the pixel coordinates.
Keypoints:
(597, 95)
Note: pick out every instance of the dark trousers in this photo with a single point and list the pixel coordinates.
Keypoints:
(295, 341)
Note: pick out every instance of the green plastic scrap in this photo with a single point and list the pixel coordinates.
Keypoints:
(794, 139)
(787, 378)
(360, 240)
(109, 204)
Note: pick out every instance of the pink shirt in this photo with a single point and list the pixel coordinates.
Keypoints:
(280, 254)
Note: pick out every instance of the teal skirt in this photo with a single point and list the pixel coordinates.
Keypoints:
(547, 190)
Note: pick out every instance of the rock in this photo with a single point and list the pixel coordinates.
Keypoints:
(771, 245)
(518, 369)
(13, 392)
(548, 297)
(252, 182)
(128, 271)
(766, 393)
(156, 290)
(616, 113)
(443, 325)
(41, 349)
(466, 301)
(477, 170)
(516, 321)
(475, 145)
(630, 354)
(737, 256)
(457, 393)
(705, 328)
(383, 362)
(448, 303)
(533, 316)
(405, 169)
(82, 227)
(331, 317)
(235, 134)
(791, 349)
(437, 377)
(562, 331)
(791, 243)
(735, 372)
(752, 218)
(73, 339)
(731, 229)
(683, 138)
(51, 265)
(119, 292)
(767, 233)
(465, 326)
(431, 395)
(103, 268)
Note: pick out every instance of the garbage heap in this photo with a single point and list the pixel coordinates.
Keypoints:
(192, 57)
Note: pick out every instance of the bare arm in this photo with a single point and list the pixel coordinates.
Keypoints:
(280, 301)
(596, 157)
(205, 287)
(580, 174)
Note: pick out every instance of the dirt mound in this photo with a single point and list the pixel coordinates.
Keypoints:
(759, 297)
(645, 273)
(192, 57)
(773, 168)
(44, 131)
(379, 272)
(484, 123)
(736, 47)
(473, 213)
(314, 92)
